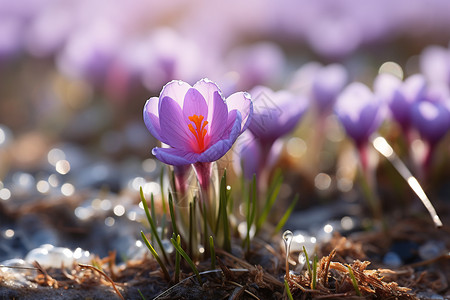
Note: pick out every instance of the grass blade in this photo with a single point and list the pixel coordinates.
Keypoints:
(191, 227)
(354, 282)
(286, 215)
(288, 290)
(163, 198)
(153, 215)
(272, 195)
(153, 226)
(213, 252)
(156, 256)
(177, 260)
(223, 204)
(251, 211)
(205, 225)
(140, 293)
(308, 265)
(314, 277)
(187, 258)
(172, 215)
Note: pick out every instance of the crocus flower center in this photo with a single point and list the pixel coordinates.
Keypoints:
(199, 131)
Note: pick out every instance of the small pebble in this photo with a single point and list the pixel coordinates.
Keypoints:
(392, 259)
(431, 249)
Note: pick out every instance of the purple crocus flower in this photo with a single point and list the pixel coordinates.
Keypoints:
(248, 156)
(360, 112)
(435, 64)
(197, 124)
(431, 118)
(328, 82)
(258, 64)
(400, 96)
(275, 113)
(431, 115)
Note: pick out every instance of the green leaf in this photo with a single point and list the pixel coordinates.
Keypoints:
(308, 265)
(354, 282)
(156, 256)
(172, 215)
(140, 293)
(286, 215)
(187, 258)
(272, 195)
(213, 252)
(177, 259)
(288, 291)
(163, 198)
(152, 225)
(191, 226)
(314, 278)
(250, 212)
(205, 224)
(223, 207)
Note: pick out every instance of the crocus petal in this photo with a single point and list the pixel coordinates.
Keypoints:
(207, 88)
(219, 149)
(218, 118)
(174, 129)
(266, 114)
(242, 102)
(432, 119)
(434, 64)
(195, 104)
(151, 117)
(275, 113)
(292, 109)
(247, 155)
(328, 83)
(385, 86)
(176, 89)
(175, 157)
(358, 109)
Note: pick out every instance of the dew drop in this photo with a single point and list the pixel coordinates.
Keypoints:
(247, 96)
(287, 238)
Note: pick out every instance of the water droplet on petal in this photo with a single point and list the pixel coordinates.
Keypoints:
(247, 96)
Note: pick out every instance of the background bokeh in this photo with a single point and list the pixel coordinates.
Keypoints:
(75, 74)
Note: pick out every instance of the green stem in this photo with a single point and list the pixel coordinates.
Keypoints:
(156, 256)
(153, 226)
(187, 258)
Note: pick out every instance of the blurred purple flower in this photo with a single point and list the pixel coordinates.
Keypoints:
(400, 96)
(248, 156)
(328, 82)
(164, 56)
(359, 111)
(196, 122)
(275, 113)
(48, 31)
(11, 31)
(258, 64)
(90, 51)
(431, 116)
(435, 64)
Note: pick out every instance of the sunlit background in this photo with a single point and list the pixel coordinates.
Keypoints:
(75, 74)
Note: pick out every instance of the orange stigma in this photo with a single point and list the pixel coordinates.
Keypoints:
(199, 131)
